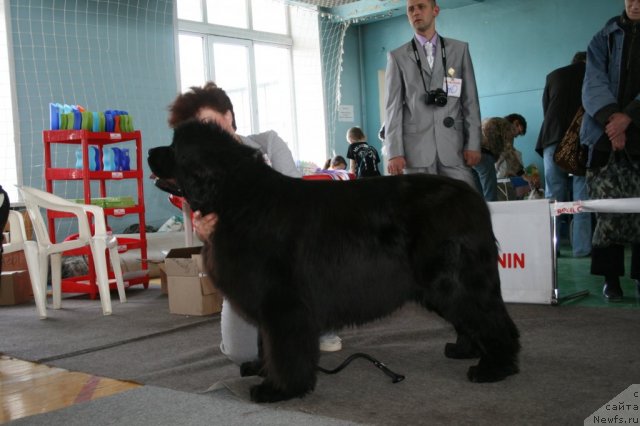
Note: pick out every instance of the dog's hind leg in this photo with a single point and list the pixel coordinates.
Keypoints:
(465, 290)
(488, 324)
(463, 348)
(497, 338)
(291, 354)
(485, 330)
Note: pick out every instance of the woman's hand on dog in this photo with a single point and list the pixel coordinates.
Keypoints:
(204, 225)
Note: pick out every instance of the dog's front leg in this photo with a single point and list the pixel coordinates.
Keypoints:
(291, 356)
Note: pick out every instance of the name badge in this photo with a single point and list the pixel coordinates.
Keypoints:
(455, 86)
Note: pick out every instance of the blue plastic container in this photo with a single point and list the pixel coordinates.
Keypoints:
(126, 162)
(109, 160)
(54, 116)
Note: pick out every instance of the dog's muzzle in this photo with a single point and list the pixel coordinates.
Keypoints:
(168, 186)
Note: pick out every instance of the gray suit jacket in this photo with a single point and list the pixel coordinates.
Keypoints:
(416, 130)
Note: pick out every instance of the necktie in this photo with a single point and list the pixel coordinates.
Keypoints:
(429, 48)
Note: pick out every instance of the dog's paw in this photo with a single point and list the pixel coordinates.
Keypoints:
(265, 392)
(457, 351)
(483, 373)
(252, 368)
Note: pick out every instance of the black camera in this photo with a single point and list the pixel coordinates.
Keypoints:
(436, 97)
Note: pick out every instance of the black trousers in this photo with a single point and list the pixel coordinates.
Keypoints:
(609, 261)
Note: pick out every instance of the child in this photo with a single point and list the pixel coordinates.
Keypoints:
(336, 163)
(335, 167)
(364, 158)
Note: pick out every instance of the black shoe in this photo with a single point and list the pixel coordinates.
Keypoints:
(612, 292)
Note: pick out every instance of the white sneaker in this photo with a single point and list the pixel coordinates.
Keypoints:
(330, 343)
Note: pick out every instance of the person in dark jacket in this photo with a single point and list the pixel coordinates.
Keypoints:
(611, 99)
(560, 102)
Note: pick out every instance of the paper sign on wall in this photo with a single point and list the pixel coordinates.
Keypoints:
(345, 113)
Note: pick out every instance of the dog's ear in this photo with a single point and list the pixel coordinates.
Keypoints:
(206, 158)
(202, 161)
(209, 144)
(162, 162)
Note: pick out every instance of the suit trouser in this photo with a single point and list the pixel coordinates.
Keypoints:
(460, 172)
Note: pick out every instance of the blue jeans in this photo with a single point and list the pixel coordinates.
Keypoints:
(485, 172)
(556, 183)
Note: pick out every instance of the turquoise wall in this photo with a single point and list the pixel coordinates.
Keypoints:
(106, 55)
(101, 55)
(514, 44)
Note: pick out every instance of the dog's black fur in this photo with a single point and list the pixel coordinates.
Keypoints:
(299, 257)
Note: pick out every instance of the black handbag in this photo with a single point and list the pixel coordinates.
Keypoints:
(619, 178)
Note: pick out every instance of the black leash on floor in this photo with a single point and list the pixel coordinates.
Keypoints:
(395, 378)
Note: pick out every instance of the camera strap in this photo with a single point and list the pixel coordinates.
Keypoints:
(419, 62)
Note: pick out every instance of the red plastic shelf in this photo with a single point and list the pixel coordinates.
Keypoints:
(97, 138)
(85, 138)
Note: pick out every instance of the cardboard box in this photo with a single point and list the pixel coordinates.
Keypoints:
(14, 261)
(191, 292)
(28, 227)
(15, 288)
(163, 279)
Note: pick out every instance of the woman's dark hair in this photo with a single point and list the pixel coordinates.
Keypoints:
(338, 159)
(187, 104)
(332, 162)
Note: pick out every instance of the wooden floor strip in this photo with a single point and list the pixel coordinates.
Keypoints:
(27, 388)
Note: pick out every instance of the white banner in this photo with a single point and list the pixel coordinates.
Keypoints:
(524, 230)
(618, 205)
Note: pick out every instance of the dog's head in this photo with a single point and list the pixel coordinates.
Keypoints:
(199, 161)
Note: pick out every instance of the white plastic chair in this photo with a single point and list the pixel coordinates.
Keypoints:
(18, 241)
(36, 199)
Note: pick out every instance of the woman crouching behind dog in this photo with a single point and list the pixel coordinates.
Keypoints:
(211, 104)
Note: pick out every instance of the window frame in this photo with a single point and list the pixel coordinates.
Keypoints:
(210, 40)
(213, 33)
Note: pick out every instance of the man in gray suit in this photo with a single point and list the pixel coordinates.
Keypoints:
(432, 123)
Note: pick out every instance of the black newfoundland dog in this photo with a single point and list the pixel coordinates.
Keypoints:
(298, 258)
